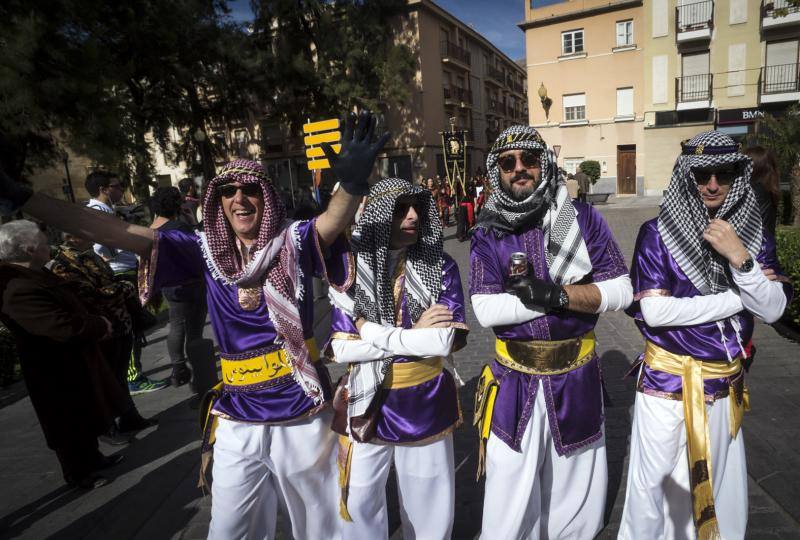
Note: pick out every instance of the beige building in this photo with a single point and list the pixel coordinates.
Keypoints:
(586, 86)
(459, 75)
(713, 65)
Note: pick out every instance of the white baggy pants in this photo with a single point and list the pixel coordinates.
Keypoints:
(539, 494)
(425, 482)
(658, 501)
(257, 467)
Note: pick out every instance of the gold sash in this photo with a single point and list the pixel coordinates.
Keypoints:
(408, 374)
(262, 368)
(537, 357)
(692, 372)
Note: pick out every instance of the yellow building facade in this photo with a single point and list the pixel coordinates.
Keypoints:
(586, 56)
(696, 65)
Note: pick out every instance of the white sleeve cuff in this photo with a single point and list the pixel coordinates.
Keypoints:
(615, 294)
(763, 298)
(347, 351)
(501, 309)
(671, 311)
(409, 341)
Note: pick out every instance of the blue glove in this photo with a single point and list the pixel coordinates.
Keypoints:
(353, 164)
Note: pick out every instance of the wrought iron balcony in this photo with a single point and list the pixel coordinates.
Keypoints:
(779, 83)
(693, 91)
(694, 21)
(455, 54)
(779, 14)
(455, 94)
(495, 74)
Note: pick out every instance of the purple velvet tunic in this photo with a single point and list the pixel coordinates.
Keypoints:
(178, 257)
(429, 409)
(574, 399)
(655, 272)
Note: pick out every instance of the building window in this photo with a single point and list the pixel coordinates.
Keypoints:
(571, 164)
(624, 102)
(574, 107)
(572, 42)
(624, 33)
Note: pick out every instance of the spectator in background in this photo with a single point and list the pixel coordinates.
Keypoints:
(583, 184)
(106, 191)
(71, 387)
(765, 179)
(187, 302)
(572, 186)
(190, 204)
(96, 287)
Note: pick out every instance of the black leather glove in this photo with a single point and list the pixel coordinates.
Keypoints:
(13, 195)
(353, 164)
(535, 292)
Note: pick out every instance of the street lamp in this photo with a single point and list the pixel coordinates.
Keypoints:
(200, 137)
(546, 101)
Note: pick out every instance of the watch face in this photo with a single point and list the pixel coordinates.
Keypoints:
(747, 265)
(563, 299)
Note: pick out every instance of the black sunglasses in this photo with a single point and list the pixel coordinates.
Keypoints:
(508, 163)
(228, 191)
(725, 176)
(401, 208)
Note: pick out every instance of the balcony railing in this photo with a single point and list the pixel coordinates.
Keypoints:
(494, 73)
(494, 107)
(453, 51)
(780, 79)
(514, 85)
(455, 93)
(778, 8)
(693, 88)
(695, 16)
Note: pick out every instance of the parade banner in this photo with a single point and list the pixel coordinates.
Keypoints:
(454, 145)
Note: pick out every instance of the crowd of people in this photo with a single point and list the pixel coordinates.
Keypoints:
(543, 267)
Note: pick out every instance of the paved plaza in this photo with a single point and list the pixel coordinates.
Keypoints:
(153, 493)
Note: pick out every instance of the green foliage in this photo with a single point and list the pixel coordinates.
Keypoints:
(788, 248)
(592, 169)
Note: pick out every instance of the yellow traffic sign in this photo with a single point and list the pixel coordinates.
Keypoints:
(324, 131)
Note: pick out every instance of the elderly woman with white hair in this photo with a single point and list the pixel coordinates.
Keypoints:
(70, 386)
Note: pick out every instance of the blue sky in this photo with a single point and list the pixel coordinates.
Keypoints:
(496, 20)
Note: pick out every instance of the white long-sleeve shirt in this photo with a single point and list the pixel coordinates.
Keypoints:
(503, 309)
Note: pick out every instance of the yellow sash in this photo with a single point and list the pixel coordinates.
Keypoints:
(408, 374)
(692, 372)
(262, 368)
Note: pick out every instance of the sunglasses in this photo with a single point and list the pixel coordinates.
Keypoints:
(725, 177)
(228, 191)
(401, 208)
(530, 160)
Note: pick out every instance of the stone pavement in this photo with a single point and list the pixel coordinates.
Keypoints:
(153, 493)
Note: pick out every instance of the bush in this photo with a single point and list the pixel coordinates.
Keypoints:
(592, 169)
(788, 247)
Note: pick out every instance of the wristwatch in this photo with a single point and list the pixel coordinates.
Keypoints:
(563, 299)
(747, 265)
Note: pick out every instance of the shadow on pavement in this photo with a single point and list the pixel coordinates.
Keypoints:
(127, 511)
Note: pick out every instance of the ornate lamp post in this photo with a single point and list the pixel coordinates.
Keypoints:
(546, 101)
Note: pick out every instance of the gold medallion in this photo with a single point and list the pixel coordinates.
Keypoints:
(250, 298)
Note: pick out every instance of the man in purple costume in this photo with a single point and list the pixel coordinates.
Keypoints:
(701, 270)
(273, 441)
(395, 327)
(546, 471)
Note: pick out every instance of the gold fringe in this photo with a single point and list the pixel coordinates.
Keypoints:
(343, 461)
(709, 531)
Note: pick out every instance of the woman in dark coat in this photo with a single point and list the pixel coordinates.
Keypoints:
(765, 180)
(70, 385)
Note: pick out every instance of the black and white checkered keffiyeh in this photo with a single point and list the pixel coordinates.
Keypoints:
(549, 206)
(372, 294)
(684, 216)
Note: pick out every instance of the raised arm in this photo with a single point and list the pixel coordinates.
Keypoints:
(96, 226)
(352, 167)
